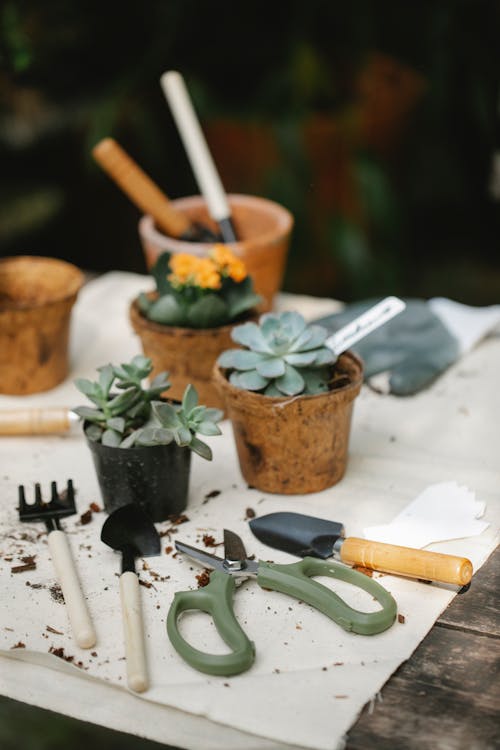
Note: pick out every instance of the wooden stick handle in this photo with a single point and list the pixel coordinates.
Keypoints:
(139, 187)
(34, 421)
(76, 606)
(133, 630)
(415, 563)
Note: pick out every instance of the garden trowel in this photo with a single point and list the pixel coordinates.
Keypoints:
(130, 531)
(303, 536)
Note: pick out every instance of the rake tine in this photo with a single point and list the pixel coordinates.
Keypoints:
(70, 492)
(22, 499)
(38, 495)
(54, 497)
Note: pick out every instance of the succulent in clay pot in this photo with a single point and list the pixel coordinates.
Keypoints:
(141, 445)
(290, 402)
(187, 321)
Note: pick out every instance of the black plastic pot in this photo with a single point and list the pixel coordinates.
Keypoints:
(156, 477)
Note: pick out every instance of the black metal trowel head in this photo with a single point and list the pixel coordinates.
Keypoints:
(130, 531)
(298, 534)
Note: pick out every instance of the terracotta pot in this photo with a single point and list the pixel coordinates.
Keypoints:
(187, 354)
(293, 445)
(155, 477)
(264, 226)
(36, 298)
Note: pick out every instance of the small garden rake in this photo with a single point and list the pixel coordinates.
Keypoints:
(51, 513)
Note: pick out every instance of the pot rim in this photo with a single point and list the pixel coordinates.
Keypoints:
(162, 328)
(149, 232)
(220, 377)
(75, 282)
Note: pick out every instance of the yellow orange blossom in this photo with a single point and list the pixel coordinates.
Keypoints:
(207, 276)
(228, 263)
(189, 269)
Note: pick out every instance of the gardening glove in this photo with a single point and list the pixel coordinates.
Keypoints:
(409, 352)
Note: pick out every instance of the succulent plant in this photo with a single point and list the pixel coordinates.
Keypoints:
(195, 292)
(283, 356)
(181, 422)
(136, 416)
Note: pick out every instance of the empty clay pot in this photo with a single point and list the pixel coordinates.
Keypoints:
(264, 227)
(36, 298)
(187, 354)
(293, 445)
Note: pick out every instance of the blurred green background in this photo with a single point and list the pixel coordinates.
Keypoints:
(375, 123)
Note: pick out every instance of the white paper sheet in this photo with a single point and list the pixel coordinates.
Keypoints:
(310, 678)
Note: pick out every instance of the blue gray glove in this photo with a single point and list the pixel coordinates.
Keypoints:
(420, 343)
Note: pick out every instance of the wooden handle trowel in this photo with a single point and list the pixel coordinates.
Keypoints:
(303, 536)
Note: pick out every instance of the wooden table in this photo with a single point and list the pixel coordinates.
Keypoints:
(447, 696)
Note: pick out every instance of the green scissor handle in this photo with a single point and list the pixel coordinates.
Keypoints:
(295, 579)
(216, 600)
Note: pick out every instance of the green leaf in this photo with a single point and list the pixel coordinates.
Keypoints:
(209, 311)
(116, 423)
(166, 415)
(293, 323)
(142, 365)
(189, 399)
(154, 436)
(160, 272)
(160, 380)
(111, 438)
(124, 401)
(240, 359)
(249, 380)
(91, 390)
(250, 335)
(106, 377)
(167, 311)
(94, 432)
(271, 368)
(183, 436)
(317, 338)
(324, 356)
(201, 448)
(89, 414)
(316, 380)
(291, 383)
(208, 428)
(214, 415)
(129, 441)
(300, 359)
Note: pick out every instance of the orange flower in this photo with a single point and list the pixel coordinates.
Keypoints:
(229, 264)
(193, 271)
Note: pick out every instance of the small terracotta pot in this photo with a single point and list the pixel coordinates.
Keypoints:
(187, 354)
(36, 298)
(293, 445)
(264, 226)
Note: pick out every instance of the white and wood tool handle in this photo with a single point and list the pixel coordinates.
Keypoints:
(133, 630)
(51, 420)
(414, 563)
(140, 188)
(195, 144)
(78, 614)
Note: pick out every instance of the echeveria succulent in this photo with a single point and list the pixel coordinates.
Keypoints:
(284, 356)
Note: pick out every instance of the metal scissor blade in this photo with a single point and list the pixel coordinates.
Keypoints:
(234, 549)
(211, 561)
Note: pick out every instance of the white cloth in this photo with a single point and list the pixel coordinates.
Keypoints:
(310, 678)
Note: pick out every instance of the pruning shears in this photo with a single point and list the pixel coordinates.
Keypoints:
(295, 579)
